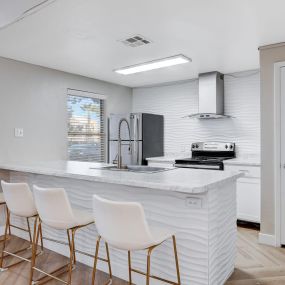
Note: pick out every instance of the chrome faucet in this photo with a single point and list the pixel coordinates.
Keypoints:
(119, 164)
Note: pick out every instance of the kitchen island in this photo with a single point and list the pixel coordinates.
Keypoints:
(200, 205)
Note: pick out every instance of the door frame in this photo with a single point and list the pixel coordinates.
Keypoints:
(277, 149)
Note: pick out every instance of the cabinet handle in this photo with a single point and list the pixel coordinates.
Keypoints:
(244, 170)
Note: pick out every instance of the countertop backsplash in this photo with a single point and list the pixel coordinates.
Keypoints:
(174, 101)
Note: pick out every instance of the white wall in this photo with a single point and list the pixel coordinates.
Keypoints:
(242, 100)
(34, 98)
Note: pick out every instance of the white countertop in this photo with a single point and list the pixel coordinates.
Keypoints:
(247, 161)
(177, 180)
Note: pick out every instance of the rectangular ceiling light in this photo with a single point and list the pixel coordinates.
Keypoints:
(155, 64)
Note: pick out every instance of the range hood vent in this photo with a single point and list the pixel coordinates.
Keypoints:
(211, 96)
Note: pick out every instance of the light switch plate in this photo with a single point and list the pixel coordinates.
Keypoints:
(19, 132)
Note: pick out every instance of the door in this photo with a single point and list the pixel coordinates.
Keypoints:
(282, 149)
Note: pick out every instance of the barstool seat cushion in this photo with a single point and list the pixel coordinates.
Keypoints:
(82, 217)
(2, 200)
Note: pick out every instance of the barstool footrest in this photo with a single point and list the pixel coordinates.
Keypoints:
(17, 251)
(154, 277)
(22, 259)
(49, 275)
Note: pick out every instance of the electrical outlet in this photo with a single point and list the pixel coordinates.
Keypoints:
(194, 202)
(19, 132)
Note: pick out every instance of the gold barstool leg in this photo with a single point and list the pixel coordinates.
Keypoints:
(176, 259)
(5, 238)
(41, 236)
(29, 230)
(95, 260)
(108, 260)
(34, 249)
(71, 259)
(130, 267)
(148, 265)
(9, 229)
(73, 243)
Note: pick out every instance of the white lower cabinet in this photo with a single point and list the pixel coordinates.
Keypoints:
(248, 193)
(248, 200)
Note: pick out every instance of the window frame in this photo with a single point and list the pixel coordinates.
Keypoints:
(94, 95)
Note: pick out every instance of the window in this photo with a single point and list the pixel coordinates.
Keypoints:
(86, 124)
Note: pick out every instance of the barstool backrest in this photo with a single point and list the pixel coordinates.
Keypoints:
(53, 207)
(19, 199)
(122, 224)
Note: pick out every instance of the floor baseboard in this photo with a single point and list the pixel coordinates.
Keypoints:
(267, 239)
(248, 225)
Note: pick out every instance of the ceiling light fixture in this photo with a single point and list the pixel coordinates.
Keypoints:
(155, 64)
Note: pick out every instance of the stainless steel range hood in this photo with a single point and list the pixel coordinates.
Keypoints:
(211, 96)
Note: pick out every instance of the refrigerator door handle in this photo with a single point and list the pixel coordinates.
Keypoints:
(134, 127)
(137, 141)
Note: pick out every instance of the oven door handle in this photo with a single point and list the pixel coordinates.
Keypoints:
(199, 166)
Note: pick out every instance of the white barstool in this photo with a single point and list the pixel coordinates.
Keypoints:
(55, 211)
(20, 202)
(123, 225)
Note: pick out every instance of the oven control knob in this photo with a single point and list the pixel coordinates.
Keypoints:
(231, 147)
(197, 146)
(226, 146)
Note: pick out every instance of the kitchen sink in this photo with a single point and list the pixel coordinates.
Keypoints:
(135, 168)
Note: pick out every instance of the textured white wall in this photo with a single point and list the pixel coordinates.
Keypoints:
(34, 98)
(242, 100)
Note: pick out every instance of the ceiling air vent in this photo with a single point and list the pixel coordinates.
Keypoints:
(136, 41)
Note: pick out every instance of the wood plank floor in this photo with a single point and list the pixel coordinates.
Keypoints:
(255, 265)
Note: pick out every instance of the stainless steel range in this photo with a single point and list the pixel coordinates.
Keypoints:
(208, 155)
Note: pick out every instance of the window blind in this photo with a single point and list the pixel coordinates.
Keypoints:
(86, 126)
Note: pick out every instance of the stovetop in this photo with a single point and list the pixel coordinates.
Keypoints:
(208, 155)
(203, 159)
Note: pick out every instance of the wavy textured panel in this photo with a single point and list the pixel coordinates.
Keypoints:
(206, 236)
(242, 101)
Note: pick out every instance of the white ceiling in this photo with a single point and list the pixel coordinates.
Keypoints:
(82, 36)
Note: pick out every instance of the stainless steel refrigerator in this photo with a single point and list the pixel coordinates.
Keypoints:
(147, 137)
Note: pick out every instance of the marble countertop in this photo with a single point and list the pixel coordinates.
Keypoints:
(247, 161)
(176, 179)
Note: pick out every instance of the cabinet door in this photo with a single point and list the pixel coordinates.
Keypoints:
(248, 200)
